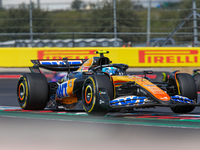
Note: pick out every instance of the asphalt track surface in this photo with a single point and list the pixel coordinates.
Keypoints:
(152, 129)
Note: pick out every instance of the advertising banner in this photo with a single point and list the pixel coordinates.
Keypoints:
(133, 56)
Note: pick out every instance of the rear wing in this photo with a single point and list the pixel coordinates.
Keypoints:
(57, 65)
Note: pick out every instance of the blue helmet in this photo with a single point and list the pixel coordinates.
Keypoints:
(110, 70)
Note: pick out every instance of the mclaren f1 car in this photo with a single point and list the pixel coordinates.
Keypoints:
(98, 86)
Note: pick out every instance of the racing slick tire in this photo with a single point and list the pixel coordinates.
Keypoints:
(197, 81)
(188, 89)
(32, 91)
(90, 93)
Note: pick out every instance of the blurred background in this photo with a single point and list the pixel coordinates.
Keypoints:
(99, 23)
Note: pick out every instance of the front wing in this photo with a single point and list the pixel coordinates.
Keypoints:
(142, 101)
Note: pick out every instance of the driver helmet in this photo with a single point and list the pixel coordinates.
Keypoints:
(110, 70)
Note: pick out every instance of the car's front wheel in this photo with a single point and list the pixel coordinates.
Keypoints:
(91, 91)
(197, 81)
(188, 89)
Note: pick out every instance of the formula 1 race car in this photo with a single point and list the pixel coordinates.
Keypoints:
(100, 86)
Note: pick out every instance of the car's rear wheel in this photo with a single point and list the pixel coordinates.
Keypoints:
(90, 93)
(188, 89)
(32, 91)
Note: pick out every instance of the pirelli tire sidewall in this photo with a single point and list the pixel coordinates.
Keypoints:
(32, 91)
(90, 97)
(22, 91)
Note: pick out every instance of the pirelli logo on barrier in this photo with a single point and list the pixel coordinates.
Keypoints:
(168, 56)
(70, 54)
